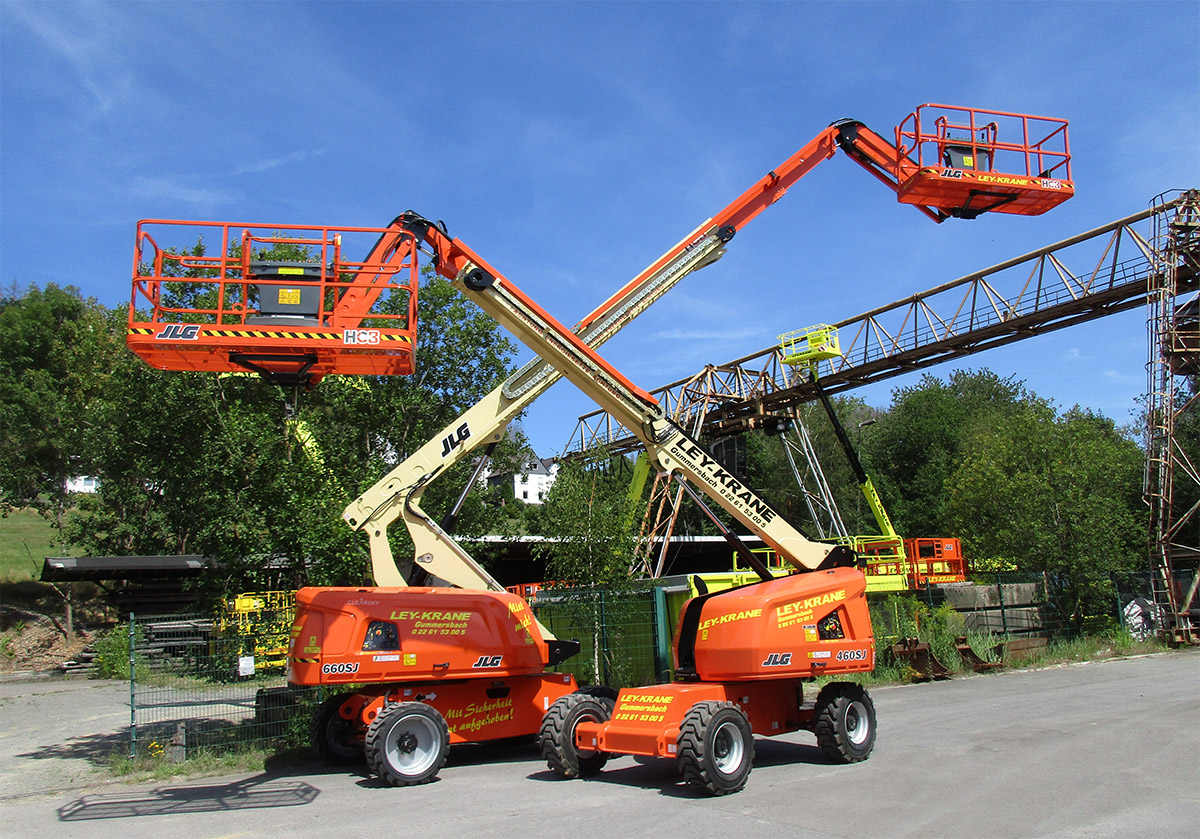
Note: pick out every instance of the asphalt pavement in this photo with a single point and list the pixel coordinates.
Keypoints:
(1104, 749)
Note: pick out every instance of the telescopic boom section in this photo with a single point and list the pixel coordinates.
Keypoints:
(667, 445)
(939, 193)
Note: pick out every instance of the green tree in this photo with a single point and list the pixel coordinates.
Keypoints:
(771, 474)
(915, 446)
(56, 350)
(214, 465)
(1059, 495)
(587, 515)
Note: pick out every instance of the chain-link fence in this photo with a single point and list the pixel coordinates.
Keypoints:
(1139, 606)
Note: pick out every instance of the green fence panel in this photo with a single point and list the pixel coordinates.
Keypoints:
(196, 686)
(616, 629)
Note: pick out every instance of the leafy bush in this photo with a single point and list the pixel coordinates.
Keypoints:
(112, 653)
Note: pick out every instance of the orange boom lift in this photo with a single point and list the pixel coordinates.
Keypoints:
(437, 652)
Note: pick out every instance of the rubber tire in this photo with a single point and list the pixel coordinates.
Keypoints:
(407, 744)
(845, 722)
(606, 695)
(557, 735)
(716, 747)
(335, 738)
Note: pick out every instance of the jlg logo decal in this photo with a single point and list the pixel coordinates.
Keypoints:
(179, 332)
(488, 661)
(462, 434)
(778, 660)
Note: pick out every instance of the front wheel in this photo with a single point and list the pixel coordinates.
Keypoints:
(845, 722)
(407, 744)
(557, 735)
(716, 747)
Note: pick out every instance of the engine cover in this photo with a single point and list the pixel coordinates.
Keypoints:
(363, 635)
(801, 625)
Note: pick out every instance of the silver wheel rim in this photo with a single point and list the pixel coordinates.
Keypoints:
(412, 745)
(858, 724)
(729, 748)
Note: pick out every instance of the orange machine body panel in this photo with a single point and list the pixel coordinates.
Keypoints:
(474, 709)
(752, 646)
(646, 720)
(356, 635)
(478, 657)
(800, 625)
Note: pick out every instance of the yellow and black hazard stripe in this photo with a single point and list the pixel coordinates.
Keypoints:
(290, 336)
(260, 333)
(304, 660)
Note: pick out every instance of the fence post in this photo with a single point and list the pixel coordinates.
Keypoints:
(662, 650)
(1000, 598)
(132, 691)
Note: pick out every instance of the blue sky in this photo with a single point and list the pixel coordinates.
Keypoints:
(572, 143)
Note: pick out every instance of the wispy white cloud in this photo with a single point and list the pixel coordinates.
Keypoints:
(1121, 377)
(86, 37)
(172, 192)
(275, 163)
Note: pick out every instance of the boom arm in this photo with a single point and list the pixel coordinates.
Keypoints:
(668, 446)
(399, 492)
(864, 480)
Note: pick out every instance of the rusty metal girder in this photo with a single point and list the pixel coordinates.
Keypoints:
(1029, 295)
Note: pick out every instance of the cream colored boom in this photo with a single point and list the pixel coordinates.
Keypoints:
(398, 494)
(668, 446)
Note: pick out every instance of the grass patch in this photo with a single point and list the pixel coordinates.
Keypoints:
(155, 763)
(26, 539)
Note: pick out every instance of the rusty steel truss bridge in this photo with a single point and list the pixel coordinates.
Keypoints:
(1094, 274)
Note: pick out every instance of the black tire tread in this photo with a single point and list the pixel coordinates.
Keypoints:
(831, 703)
(557, 735)
(691, 754)
(323, 718)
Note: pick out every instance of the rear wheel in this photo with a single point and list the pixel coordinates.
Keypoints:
(407, 744)
(336, 738)
(845, 722)
(716, 747)
(557, 735)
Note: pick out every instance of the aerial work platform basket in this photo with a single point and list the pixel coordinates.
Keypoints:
(969, 161)
(287, 302)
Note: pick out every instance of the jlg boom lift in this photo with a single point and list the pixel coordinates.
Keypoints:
(999, 177)
(741, 654)
(441, 665)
